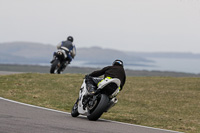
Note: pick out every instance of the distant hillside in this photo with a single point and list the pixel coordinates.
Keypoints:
(25, 52)
(35, 53)
(97, 55)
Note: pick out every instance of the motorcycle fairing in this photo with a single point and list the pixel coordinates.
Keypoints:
(107, 81)
(83, 92)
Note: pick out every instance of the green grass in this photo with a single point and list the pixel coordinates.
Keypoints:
(163, 102)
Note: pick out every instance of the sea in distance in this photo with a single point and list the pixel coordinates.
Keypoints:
(157, 64)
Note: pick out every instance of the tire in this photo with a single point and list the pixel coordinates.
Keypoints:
(99, 110)
(54, 66)
(74, 112)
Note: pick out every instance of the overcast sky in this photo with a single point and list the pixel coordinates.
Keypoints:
(128, 25)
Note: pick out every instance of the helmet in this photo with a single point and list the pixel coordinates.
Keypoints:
(70, 38)
(118, 62)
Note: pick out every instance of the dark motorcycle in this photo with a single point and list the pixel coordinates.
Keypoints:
(59, 62)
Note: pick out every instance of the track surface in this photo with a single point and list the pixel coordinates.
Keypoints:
(17, 117)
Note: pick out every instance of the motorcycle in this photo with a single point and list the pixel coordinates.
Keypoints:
(93, 106)
(59, 62)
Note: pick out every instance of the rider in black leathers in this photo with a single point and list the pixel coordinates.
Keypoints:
(114, 71)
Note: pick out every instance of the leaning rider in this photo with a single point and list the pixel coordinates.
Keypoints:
(69, 47)
(114, 71)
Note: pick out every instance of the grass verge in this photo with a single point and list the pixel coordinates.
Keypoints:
(163, 102)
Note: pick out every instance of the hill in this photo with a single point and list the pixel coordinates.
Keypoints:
(25, 53)
(36, 53)
(40, 54)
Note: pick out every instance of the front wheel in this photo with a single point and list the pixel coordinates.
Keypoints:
(100, 108)
(74, 112)
(55, 66)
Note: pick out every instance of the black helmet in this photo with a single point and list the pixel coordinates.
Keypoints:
(70, 38)
(118, 62)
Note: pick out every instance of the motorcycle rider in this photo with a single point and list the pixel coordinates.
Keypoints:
(114, 71)
(69, 47)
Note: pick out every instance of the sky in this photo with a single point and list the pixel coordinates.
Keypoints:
(127, 25)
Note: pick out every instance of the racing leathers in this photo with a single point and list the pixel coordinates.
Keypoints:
(115, 71)
(69, 48)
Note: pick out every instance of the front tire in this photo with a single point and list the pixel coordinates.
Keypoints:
(54, 66)
(99, 110)
(74, 112)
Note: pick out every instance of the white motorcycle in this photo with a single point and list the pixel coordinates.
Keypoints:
(93, 106)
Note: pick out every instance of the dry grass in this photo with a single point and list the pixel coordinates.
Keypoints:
(161, 102)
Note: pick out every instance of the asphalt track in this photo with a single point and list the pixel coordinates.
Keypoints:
(16, 117)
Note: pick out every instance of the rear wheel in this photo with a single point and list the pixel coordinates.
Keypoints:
(54, 66)
(96, 113)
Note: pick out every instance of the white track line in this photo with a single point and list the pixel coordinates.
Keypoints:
(1, 98)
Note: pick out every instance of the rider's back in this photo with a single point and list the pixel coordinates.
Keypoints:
(67, 44)
(115, 71)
